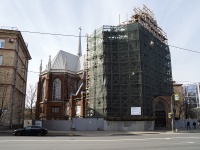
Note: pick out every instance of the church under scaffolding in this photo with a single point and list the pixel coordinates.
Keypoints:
(127, 66)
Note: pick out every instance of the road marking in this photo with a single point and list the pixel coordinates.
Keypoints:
(84, 140)
(95, 140)
(186, 138)
(185, 143)
(72, 140)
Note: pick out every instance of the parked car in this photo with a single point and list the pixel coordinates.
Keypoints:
(31, 130)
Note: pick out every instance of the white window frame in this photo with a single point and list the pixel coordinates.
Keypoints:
(2, 43)
(1, 59)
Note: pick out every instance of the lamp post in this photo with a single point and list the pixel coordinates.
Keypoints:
(172, 112)
(172, 109)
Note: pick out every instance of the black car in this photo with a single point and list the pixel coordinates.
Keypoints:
(31, 130)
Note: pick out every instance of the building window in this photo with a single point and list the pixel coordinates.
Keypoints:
(1, 60)
(55, 109)
(78, 110)
(56, 90)
(67, 109)
(44, 90)
(2, 43)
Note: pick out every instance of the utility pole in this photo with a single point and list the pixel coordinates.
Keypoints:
(172, 112)
(176, 97)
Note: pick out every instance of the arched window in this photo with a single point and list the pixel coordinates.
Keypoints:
(44, 90)
(56, 90)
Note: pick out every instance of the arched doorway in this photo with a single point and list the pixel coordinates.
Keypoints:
(160, 115)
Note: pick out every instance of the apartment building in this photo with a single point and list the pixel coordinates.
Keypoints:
(14, 57)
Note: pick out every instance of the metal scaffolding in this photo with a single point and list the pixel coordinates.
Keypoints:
(127, 65)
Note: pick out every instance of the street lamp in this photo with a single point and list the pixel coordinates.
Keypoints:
(172, 109)
(172, 112)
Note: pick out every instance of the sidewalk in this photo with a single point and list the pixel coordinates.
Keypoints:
(100, 133)
(118, 133)
(183, 130)
(106, 133)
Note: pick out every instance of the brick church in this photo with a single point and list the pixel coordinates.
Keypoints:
(129, 78)
(61, 87)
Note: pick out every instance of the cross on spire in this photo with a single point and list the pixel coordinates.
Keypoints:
(79, 44)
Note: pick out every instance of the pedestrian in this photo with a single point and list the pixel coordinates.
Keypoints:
(188, 125)
(194, 124)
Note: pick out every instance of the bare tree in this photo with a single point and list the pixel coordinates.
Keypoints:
(30, 101)
(179, 107)
(194, 113)
(3, 104)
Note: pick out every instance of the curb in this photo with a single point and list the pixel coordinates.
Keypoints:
(103, 133)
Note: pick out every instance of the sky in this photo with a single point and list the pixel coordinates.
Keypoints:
(179, 19)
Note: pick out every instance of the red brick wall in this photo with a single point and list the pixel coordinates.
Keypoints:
(68, 85)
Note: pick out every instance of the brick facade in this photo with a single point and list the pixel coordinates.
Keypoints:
(166, 102)
(69, 100)
(13, 78)
(179, 105)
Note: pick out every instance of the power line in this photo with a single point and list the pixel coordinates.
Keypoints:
(55, 34)
(165, 12)
(168, 45)
(184, 49)
(52, 33)
(59, 34)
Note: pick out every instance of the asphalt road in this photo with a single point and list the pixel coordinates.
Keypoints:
(173, 141)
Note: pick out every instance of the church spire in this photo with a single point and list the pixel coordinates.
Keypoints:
(49, 63)
(65, 63)
(41, 67)
(79, 44)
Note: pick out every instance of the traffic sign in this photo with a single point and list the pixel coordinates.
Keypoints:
(176, 97)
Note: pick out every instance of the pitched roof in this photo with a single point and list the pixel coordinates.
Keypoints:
(65, 61)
